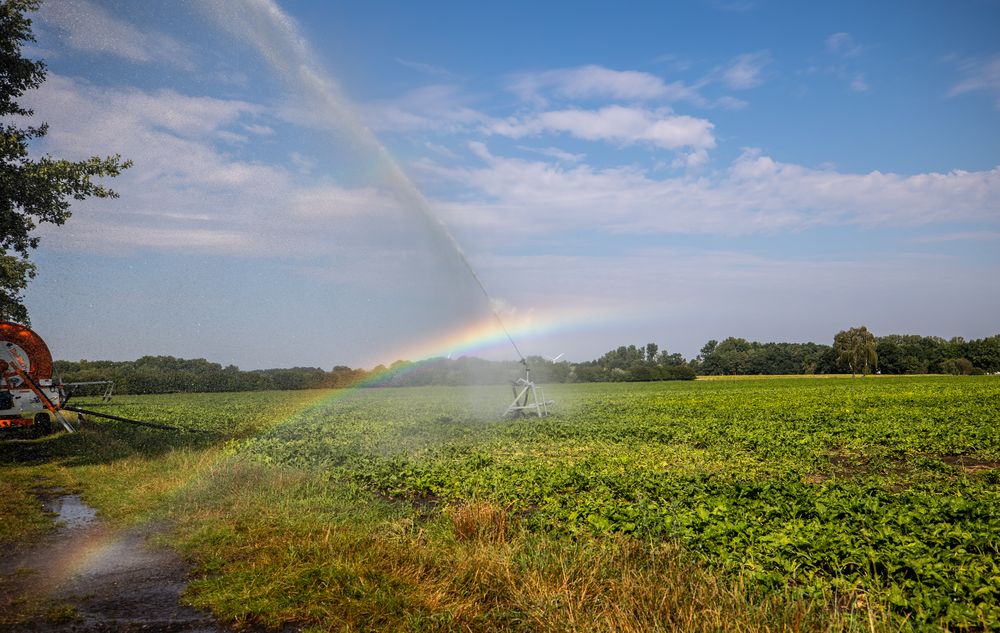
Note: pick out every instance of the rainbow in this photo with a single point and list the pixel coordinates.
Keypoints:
(485, 335)
(77, 555)
(488, 335)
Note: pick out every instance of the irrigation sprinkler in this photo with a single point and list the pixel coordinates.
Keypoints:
(529, 398)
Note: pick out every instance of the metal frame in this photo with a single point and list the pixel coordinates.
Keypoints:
(108, 391)
(529, 400)
(21, 368)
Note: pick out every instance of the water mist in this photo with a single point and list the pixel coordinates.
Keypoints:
(264, 27)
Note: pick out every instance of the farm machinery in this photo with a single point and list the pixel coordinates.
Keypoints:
(28, 395)
(30, 398)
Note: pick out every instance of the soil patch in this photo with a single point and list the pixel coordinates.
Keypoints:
(87, 576)
(970, 464)
(846, 465)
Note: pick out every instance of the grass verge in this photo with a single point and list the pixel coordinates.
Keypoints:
(277, 545)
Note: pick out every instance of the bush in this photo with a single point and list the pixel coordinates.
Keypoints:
(680, 372)
(956, 366)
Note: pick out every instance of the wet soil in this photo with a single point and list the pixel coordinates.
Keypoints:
(87, 577)
(844, 465)
(970, 464)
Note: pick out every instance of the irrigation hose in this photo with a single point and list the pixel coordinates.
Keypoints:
(152, 425)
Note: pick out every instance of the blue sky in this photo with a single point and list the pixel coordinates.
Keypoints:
(615, 173)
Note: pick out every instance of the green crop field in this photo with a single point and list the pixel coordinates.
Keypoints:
(874, 501)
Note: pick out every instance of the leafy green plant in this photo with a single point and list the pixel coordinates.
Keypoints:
(829, 487)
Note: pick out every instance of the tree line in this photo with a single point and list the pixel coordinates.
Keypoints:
(856, 351)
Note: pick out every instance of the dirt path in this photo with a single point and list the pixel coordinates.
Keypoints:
(87, 576)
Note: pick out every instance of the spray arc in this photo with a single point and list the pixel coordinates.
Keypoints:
(263, 26)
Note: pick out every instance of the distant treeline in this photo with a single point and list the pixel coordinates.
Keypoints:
(897, 354)
(166, 374)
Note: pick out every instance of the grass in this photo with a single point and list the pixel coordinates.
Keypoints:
(62, 614)
(811, 376)
(282, 526)
(22, 517)
(288, 545)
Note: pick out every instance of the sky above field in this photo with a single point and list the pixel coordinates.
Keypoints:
(615, 173)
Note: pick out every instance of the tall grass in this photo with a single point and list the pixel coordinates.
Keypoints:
(276, 546)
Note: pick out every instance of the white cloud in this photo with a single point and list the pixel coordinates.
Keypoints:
(304, 164)
(86, 117)
(843, 44)
(440, 108)
(186, 195)
(183, 193)
(676, 63)
(88, 27)
(755, 195)
(441, 150)
(745, 71)
(426, 69)
(731, 103)
(960, 236)
(231, 137)
(598, 82)
(554, 152)
(979, 75)
(259, 130)
(732, 6)
(812, 196)
(446, 109)
(858, 84)
(618, 124)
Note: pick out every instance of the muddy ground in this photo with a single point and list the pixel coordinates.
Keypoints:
(87, 576)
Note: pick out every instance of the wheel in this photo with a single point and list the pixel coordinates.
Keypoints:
(43, 424)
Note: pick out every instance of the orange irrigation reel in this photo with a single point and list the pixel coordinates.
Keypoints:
(28, 397)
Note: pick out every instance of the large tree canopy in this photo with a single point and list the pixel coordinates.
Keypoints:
(32, 190)
(856, 348)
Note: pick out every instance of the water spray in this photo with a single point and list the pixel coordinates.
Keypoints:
(264, 26)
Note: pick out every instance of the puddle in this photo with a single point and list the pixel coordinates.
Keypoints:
(106, 579)
(70, 510)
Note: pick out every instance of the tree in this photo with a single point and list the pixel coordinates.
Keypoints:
(32, 191)
(708, 349)
(728, 357)
(666, 359)
(985, 353)
(856, 348)
(956, 366)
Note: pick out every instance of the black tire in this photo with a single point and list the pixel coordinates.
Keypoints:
(43, 424)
